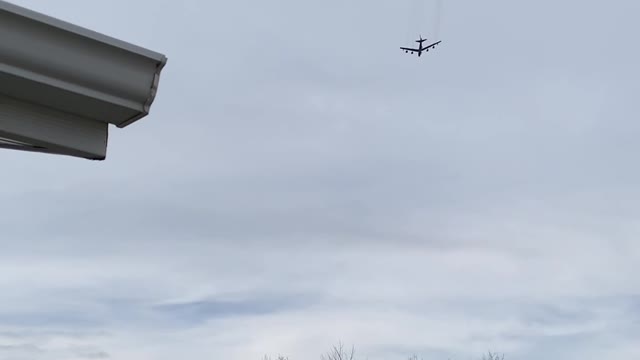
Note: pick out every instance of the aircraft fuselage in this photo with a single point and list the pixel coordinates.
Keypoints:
(421, 48)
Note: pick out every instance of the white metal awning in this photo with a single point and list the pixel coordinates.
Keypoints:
(62, 85)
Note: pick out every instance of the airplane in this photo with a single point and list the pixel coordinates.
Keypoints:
(420, 49)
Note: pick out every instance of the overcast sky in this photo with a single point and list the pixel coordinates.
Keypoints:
(301, 181)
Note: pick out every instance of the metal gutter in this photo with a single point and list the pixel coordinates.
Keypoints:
(78, 30)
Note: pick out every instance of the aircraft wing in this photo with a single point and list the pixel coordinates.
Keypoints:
(432, 45)
(409, 49)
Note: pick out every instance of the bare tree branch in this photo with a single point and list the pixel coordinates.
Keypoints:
(280, 357)
(338, 353)
(492, 356)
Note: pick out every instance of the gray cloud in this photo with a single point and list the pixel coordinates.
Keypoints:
(206, 309)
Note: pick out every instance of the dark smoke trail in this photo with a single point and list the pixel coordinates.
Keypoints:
(416, 18)
(423, 20)
(438, 19)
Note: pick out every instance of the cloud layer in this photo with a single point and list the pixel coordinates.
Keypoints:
(298, 183)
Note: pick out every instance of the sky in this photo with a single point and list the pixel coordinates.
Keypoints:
(300, 182)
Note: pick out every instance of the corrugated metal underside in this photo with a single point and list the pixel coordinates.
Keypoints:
(27, 126)
(9, 142)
